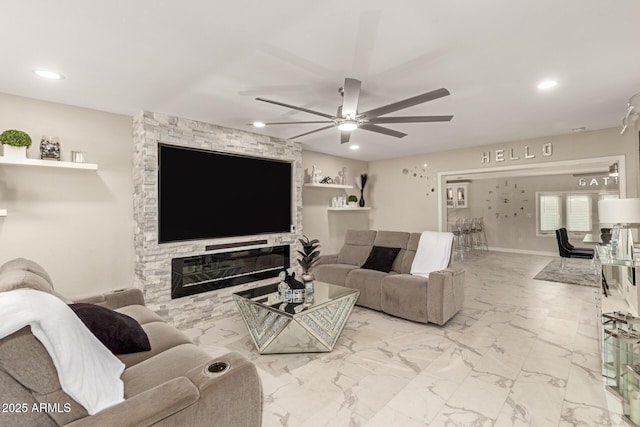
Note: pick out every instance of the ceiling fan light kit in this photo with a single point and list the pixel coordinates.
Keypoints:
(348, 125)
(349, 119)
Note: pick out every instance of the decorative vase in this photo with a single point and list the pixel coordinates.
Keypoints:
(12, 152)
(361, 202)
(50, 148)
(308, 288)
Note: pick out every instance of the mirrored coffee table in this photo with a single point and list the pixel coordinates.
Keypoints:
(279, 327)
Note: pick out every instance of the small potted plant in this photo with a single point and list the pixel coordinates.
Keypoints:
(15, 143)
(352, 201)
(309, 255)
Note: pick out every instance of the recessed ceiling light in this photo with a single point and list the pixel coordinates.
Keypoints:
(580, 129)
(354, 147)
(547, 84)
(51, 75)
(258, 124)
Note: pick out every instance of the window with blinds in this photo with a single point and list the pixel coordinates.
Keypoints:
(570, 209)
(549, 213)
(578, 212)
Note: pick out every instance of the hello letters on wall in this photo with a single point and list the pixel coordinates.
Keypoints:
(501, 155)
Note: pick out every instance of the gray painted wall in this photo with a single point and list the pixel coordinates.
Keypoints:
(77, 224)
(318, 222)
(406, 202)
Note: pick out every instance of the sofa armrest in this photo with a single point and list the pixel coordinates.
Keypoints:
(146, 408)
(445, 294)
(115, 299)
(231, 397)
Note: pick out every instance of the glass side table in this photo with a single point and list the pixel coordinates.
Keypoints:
(620, 350)
(631, 395)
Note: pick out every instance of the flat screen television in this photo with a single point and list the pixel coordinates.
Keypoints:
(207, 194)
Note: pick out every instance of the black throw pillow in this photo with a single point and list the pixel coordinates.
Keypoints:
(381, 258)
(118, 332)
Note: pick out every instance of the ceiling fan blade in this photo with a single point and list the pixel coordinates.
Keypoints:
(282, 104)
(350, 95)
(405, 103)
(295, 123)
(313, 131)
(380, 129)
(344, 136)
(411, 119)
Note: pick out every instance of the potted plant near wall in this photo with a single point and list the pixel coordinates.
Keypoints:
(352, 201)
(15, 143)
(308, 256)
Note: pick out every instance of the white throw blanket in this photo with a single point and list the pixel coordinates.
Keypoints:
(87, 370)
(433, 253)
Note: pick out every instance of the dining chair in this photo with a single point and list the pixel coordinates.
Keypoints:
(567, 250)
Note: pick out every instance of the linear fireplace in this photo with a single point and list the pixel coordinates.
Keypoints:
(203, 273)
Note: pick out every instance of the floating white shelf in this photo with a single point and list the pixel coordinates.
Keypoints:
(3, 213)
(47, 163)
(350, 209)
(328, 186)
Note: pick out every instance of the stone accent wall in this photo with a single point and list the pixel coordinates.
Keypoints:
(153, 261)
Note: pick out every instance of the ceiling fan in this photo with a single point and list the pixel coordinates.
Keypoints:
(348, 118)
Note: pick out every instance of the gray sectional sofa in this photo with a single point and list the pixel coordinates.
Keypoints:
(435, 299)
(173, 384)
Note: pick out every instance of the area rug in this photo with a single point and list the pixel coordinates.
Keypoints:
(576, 272)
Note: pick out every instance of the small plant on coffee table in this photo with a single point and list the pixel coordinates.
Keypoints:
(309, 253)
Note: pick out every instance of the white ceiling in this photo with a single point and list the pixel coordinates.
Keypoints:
(208, 60)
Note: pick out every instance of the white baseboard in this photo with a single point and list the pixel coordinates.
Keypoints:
(523, 251)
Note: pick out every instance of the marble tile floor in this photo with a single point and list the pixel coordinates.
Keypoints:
(522, 352)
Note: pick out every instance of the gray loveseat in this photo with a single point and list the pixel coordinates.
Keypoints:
(428, 300)
(170, 385)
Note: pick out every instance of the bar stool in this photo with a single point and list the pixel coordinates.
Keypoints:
(479, 235)
(466, 234)
(458, 251)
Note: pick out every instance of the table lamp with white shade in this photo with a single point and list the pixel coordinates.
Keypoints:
(621, 214)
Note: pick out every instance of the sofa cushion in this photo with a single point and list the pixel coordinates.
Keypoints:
(393, 239)
(141, 313)
(405, 296)
(18, 278)
(409, 254)
(23, 279)
(368, 283)
(34, 277)
(381, 258)
(162, 367)
(161, 337)
(37, 373)
(27, 265)
(118, 332)
(357, 246)
(333, 273)
(15, 394)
